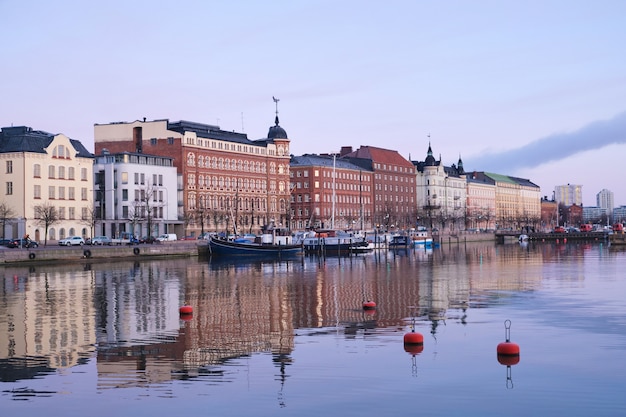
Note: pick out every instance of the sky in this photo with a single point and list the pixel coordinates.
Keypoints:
(532, 89)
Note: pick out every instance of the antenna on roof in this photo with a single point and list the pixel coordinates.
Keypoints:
(242, 129)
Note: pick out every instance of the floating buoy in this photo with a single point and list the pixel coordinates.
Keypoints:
(413, 338)
(508, 348)
(508, 360)
(369, 305)
(414, 349)
(186, 309)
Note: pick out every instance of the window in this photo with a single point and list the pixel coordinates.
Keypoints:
(61, 193)
(124, 194)
(83, 193)
(71, 211)
(70, 173)
(142, 179)
(124, 177)
(61, 212)
(51, 171)
(160, 180)
(9, 167)
(136, 178)
(83, 174)
(51, 192)
(37, 171)
(125, 212)
(37, 192)
(62, 173)
(9, 188)
(71, 193)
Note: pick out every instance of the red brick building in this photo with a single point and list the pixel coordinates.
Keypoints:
(393, 185)
(330, 192)
(226, 181)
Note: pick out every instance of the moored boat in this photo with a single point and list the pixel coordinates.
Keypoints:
(222, 247)
(333, 242)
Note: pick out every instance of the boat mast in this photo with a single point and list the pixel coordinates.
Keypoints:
(332, 215)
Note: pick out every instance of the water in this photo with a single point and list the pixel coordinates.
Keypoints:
(292, 338)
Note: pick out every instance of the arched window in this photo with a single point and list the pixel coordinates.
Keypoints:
(191, 159)
(51, 171)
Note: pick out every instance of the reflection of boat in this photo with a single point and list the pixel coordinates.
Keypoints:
(220, 247)
(523, 238)
(400, 241)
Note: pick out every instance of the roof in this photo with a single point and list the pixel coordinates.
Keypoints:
(25, 139)
(505, 179)
(310, 160)
(380, 155)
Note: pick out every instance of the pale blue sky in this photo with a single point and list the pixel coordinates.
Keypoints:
(480, 77)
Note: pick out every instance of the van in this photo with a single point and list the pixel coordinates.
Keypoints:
(166, 237)
(586, 227)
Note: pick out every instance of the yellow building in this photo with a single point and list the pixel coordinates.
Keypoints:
(44, 175)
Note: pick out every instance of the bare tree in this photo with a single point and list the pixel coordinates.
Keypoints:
(7, 216)
(91, 218)
(46, 215)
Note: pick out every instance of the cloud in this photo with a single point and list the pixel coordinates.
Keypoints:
(555, 147)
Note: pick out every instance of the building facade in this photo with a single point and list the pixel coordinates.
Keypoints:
(569, 194)
(131, 195)
(227, 182)
(481, 202)
(330, 192)
(518, 201)
(47, 184)
(441, 193)
(606, 200)
(393, 185)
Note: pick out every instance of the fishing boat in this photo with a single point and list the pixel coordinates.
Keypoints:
(420, 237)
(260, 247)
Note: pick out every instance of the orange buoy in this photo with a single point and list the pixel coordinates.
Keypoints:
(413, 338)
(413, 349)
(369, 305)
(186, 309)
(508, 348)
(508, 360)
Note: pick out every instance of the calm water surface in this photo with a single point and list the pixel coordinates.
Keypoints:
(291, 338)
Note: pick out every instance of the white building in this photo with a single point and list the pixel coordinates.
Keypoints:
(136, 193)
(606, 200)
(44, 176)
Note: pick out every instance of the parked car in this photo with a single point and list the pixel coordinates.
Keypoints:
(72, 241)
(146, 239)
(559, 229)
(5, 242)
(22, 243)
(101, 240)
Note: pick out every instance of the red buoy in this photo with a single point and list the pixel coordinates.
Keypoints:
(369, 305)
(186, 317)
(508, 360)
(413, 349)
(413, 338)
(186, 309)
(508, 348)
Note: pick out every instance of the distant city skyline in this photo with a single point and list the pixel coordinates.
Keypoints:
(472, 78)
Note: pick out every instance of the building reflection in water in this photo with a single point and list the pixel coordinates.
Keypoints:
(127, 313)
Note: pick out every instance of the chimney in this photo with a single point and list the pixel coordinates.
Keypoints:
(345, 150)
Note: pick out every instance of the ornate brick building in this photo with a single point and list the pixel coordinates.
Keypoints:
(226, 182)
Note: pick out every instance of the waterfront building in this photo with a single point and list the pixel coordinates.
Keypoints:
(569, 194)
(47, 179)
(549, 215)
(132, 193)
(619, 214)
(227, 182)
(441, 193)
(518, 201)
(595, 215)
(481, 202)
(330, 192)
(393, 185)
(605, 200)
